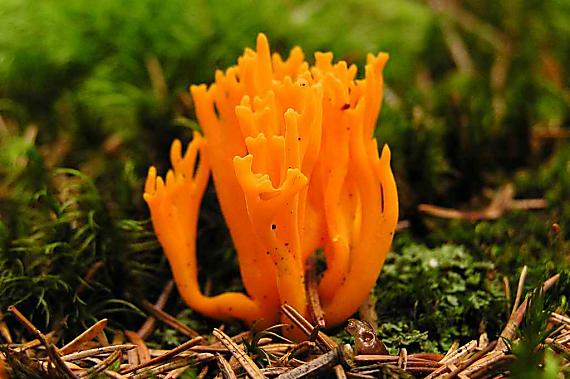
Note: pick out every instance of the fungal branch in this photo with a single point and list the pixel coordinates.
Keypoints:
(174, 207)
(296, 169)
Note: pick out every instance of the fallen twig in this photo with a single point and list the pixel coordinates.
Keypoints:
(169, 320)
(501, 202)
(245, 361)
(84, 337)
(149, 324)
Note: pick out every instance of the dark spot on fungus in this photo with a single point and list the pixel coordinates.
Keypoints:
(382, 197)
(273, 226)
(345, 107)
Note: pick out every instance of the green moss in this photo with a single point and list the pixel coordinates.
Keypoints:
(428, 298)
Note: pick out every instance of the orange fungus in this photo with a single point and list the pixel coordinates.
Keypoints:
(291, 152)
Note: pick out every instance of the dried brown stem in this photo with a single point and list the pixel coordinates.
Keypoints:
(501, 202)
(146, 329)
(166, 356)
(84, 337)
(225, 367)
(317, 365)
(103, 365)
(315, 309)
(385, 359)
(403, 359)
(96, 351)
(324, 342)
(89, 277)
(169, 320)
(472, 360)
(491, 366)
(520, 289)
(245, 361)
(58, 363)
(175, 364)
(4, 331)
(142, 349)
(516, 318)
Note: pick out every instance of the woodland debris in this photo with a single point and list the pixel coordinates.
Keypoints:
(502, 201)
(232, 356)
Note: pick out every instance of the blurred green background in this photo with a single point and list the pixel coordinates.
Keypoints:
(93, 92)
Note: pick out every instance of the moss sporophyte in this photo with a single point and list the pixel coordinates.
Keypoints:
(296, 169)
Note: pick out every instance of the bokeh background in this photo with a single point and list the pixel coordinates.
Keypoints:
(93, 92)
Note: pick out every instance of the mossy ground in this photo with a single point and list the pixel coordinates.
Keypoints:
(92, 93)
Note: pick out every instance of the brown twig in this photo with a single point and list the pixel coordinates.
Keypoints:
(4, 331)
(103, 365)
(298, 349)
(452, 349)
(411, 360)
(311, 284)
(34, 343)
(96, 351)
(472, 360)
(89, 277)
(225, 367)
(507, 290)
(245, 361)
(486, 364)
(520, 289)
(169, 320)
(149, 324)
(317, 365)
(175, 364)
(58, 363)
(84, 337)
(114, 374)
(449, 360)
(324, 342)
(142, 349)
(501, 202)
(166, 356)
(516, 318)
(403, 359)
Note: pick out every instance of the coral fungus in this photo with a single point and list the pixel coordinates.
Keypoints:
(296, 169)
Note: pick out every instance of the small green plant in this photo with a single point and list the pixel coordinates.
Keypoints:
(532, 362)
(428, 298)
